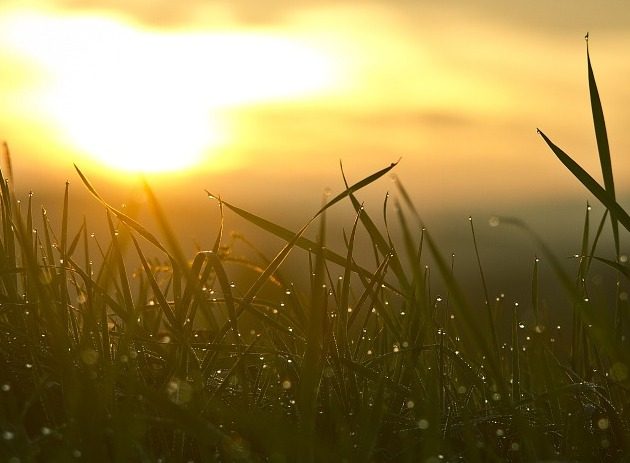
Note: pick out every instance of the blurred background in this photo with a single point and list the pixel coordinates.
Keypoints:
(259, 101)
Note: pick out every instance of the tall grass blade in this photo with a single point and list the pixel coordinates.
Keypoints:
(122, 272)
(602, 145)
(491, 324)
(157, 291)
(6, 158)
(344, 303)
(535, 284)
(312, 362)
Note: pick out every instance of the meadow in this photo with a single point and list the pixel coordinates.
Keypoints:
(133, 350)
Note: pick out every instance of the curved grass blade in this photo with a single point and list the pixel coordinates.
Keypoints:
(121, 216)
(344, 302)
(296, 239)
(157, 292)
(625, 271)
(224, 283)
(602, 144)
(378, 240)
(357, 186)
(589, 182)
(493, 331)
(122, 271)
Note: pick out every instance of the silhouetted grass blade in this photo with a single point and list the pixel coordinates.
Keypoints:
(123, 217)
(602, 144)
(589, 182)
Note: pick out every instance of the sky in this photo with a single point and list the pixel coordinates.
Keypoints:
(261, 100)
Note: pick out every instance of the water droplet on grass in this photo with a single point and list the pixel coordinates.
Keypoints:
(603, 423)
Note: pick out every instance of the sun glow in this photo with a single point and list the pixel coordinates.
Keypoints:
(145, 100)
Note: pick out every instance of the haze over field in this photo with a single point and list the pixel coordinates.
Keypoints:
(260, 101)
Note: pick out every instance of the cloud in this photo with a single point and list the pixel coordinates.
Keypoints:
(168, 13)
(540, 16)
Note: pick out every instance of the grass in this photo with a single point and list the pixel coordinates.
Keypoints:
(110, 354)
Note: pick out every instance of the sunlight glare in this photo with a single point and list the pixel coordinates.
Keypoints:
(138, 99)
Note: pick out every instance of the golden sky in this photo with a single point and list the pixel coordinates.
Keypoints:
(258, 95)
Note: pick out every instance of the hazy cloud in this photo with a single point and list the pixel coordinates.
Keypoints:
(552, 17)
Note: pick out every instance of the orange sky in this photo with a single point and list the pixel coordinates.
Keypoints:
(270, 95)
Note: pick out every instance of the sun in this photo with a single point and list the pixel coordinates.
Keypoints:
(144, 100)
